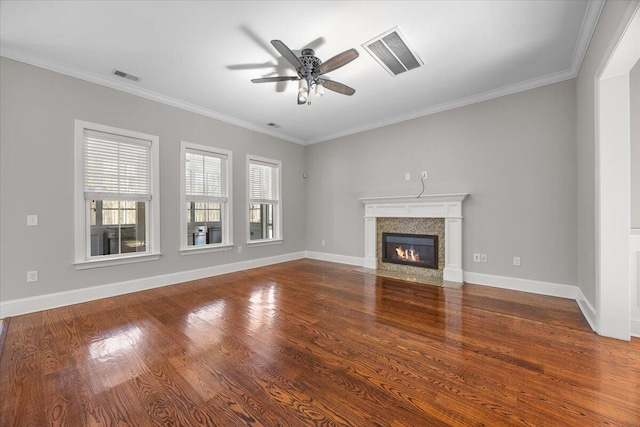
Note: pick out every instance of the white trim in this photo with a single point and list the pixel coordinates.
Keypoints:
(536, 287)
(264, 242)
(591, 17)
(108, 261)
(340, 259)
(21, 306)
(634, 281)
(226, 213)
(588, 311)
(635, 328)
(588, 27)
(458, 103)
(523, 285)
(612, 194)
(82, 237)
(11, 52)
(204, 249)
(502, 282)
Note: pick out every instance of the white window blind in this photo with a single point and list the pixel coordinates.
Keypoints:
(116, 166)
(263, 182)
(205, 176)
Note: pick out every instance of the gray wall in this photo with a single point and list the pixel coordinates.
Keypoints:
(37, 113)
(515, 156)
(634, 89)
(613, 19)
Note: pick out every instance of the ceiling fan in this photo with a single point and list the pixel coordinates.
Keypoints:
(310, 69)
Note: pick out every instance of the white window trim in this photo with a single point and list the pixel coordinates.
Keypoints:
(264, 242)
(227, 229)
(82, 237)
(277, 222)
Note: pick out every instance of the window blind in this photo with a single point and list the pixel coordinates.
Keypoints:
(116, 166)
(205, 176)
(263, 182)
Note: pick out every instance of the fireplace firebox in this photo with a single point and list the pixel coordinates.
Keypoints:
(419, 250)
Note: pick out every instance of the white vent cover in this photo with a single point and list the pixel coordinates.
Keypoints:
(393, 53)
(126, 75)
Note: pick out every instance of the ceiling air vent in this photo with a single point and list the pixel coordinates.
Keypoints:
(392, 52)
(126, 75)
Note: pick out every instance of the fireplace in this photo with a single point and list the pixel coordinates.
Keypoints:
(419, 250)
(445, 206)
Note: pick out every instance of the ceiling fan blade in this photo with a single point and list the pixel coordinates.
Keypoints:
(286, 52)
(338, 87)
(275, 79)
(337, 61)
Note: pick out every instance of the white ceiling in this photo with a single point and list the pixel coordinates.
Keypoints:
(201, 56)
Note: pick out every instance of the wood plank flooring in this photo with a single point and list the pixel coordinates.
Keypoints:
(310, 343)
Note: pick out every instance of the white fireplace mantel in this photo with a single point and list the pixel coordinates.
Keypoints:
(447, 206)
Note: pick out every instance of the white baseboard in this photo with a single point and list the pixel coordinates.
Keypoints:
(524, 285)
(537, 287)
(59, 299)
(17, 307)
(587, 309)
(340, 259)
(635, 328)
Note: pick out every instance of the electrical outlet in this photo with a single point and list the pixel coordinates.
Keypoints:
(239, 249)
(423, 175)
(32, 276)
(516, 261)
(32, 220)
(407, 176)
(483, 257)
(324, 243)
(476, 257)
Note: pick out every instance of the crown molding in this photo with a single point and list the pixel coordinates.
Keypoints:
(462, 102)
(591, 17)
(592, 14)
(15, 54)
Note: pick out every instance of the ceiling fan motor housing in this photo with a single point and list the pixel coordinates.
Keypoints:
(309, 60)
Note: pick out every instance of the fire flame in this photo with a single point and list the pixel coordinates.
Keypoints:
(409, 254)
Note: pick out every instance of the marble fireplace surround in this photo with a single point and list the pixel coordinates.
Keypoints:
(447, 206)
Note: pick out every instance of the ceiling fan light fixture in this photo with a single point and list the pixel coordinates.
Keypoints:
(303, 86)
(309, 69)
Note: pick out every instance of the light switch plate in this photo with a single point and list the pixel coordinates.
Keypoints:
(32, 220)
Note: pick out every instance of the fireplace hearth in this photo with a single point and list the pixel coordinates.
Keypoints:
(419, 250)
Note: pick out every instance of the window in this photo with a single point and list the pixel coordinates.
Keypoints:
(264, 200)
(117, 211)
(206, 217)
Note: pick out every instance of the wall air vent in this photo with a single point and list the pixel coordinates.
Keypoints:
(273, 125)
(126, 75)
(392, 52)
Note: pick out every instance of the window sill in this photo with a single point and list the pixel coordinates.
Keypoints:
(95, 263)
(264, 242)
(204, 249)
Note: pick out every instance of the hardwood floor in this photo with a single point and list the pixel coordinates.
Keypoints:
(315, 343)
